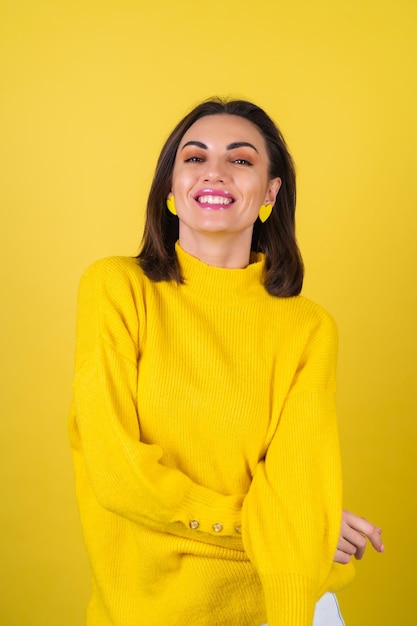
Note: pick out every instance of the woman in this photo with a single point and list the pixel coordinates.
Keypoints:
(203, 425)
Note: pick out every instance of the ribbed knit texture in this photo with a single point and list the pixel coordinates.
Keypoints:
(205, 448)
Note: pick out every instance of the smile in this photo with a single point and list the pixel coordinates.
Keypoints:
(214, 200)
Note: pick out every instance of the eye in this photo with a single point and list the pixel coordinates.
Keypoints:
(193, 159)
(242, 162)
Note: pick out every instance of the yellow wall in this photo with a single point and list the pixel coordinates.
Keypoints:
(89, 91)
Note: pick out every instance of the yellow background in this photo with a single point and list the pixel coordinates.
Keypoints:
(89, 91)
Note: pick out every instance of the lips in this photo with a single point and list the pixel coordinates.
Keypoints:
(214, 198)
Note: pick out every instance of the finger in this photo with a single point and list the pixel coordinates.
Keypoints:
(341, 557)
(376, 540)
(352, 523)
(346, 546)
(355, 538)
(360, 551)
(360, 524)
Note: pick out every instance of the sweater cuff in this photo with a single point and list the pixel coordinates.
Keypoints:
(290, 599)
(210, 512)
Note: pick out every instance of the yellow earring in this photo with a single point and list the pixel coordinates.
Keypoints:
(171, 204)
(265, 211)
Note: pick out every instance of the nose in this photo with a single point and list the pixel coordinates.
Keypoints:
(215, 171)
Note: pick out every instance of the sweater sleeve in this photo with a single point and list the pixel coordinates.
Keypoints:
(292, 514)
(126, 475)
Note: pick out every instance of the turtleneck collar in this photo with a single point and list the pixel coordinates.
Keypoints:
(222, 285)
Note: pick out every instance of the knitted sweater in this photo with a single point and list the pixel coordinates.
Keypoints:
(205, 448)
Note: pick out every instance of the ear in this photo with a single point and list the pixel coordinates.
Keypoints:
(272, 191)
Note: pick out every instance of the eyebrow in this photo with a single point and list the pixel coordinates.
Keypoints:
(230, 146)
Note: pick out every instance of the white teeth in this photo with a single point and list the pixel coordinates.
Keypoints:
(214, 200)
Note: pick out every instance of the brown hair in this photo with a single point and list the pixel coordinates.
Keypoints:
(275, 238)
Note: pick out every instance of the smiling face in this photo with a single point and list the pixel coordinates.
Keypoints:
(220, 180)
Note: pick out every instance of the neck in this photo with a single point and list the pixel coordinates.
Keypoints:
(227, 250)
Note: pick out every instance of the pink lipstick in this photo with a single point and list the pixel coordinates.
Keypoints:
(214, 199)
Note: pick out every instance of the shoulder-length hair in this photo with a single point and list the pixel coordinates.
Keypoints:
(275, 238)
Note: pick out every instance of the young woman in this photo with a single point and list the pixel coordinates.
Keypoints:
(203, 425)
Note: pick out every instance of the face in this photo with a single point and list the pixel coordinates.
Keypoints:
(220, 177)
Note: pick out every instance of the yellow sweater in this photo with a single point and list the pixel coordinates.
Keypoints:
(205, 448)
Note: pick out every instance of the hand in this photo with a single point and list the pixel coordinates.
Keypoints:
(354, 532)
